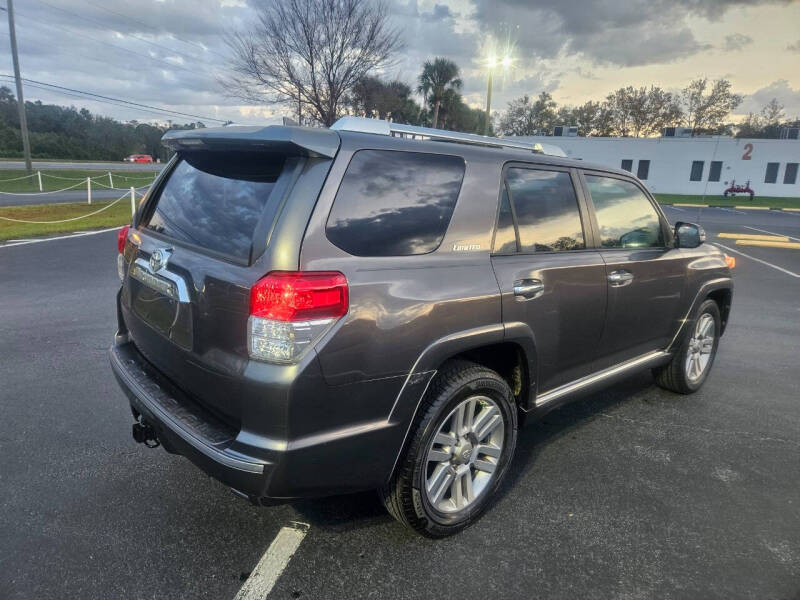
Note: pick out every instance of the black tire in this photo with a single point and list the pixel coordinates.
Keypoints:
(674, 376)
(404, 496)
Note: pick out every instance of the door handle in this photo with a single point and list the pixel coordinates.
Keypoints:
(528, 289)
(620, 278)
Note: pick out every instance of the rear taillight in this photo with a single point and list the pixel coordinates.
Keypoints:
(122, 237)
(290, 311)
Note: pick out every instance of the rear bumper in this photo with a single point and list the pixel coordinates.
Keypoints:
(184, 427)
(356, 457)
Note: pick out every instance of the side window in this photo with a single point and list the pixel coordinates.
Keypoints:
(546, 209)
(772, 173)
(394, 203)
(624, 214)
(505, 240)
(697, 171)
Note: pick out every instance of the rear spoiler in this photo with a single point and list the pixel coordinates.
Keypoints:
(292, 141)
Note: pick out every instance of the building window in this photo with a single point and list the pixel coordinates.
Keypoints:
(644, 169)
(790, 176)
(714, 170)
(627, 165)
(772, 173)
(697, 171)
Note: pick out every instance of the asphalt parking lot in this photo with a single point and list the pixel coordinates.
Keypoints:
(629, 493)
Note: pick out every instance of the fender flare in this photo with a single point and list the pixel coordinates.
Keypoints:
(722, 283)
(415, 386)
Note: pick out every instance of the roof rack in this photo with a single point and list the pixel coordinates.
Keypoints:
(380, 127)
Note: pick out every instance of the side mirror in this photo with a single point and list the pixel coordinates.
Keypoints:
(689, 235)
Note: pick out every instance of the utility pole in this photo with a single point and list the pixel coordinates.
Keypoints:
(23, 121)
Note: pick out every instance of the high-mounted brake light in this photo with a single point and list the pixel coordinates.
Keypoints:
(291, 310)
(122, 237)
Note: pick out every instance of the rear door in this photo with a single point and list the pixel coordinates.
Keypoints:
(211, 228)
(549, 275)
(645, 274)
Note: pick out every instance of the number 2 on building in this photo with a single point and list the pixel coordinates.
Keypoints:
(748, 150)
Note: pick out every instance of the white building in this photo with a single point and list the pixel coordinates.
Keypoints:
(694, 166)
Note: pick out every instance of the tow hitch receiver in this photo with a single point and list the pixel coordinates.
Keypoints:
(143, 433)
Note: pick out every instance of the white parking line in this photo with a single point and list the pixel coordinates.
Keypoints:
(763, 262)
(674, 207)
(771, 232)
(60, 237)
(272, 564)
(738, 212)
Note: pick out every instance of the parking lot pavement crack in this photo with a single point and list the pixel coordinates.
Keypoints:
(732, 433)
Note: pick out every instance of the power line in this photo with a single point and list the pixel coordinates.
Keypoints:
(80, 97)
(110, 98)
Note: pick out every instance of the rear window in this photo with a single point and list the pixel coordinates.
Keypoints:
(394, 203)
(215, 201)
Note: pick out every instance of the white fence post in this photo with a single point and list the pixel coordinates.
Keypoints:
(89, 190)
(39, 174)
(110, 180)
(133, 201)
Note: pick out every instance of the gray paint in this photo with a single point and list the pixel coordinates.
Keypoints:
(337, 421)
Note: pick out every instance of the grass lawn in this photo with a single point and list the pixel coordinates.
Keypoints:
(59, 179)
(119, 214)
(742, 200)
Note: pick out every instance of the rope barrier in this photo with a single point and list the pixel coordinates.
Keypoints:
(18, 178)
(72, 187)
(107, 206)
(103, 176)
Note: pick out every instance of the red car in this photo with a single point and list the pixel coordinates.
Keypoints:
(139, 158)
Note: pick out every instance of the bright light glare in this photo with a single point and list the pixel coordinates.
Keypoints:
(507, 61)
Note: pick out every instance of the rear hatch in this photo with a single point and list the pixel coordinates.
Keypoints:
(209, 230)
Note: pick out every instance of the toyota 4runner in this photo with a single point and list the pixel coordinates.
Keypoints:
(306, 312)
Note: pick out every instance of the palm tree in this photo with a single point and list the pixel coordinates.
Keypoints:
(436, 78)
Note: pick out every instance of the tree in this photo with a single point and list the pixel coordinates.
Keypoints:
(772, 113)
(68, 132)
(767, 123)
(529, 117)
(310, 53)
(704, 112)
(642, 112)
(373, 97)
(437, 77)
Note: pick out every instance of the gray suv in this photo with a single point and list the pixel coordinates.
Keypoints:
(306, 312)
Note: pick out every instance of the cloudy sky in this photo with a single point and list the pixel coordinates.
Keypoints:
(169, 53)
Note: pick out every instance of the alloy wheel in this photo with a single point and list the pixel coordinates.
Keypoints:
(701, 345)
(464, 454)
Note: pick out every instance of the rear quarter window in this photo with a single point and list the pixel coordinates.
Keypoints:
(393, 203)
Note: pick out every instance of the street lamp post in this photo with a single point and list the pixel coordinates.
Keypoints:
(492, 62)
(488, 100)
